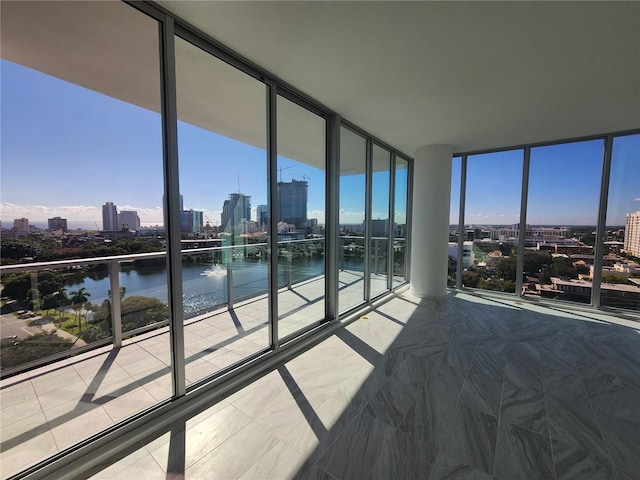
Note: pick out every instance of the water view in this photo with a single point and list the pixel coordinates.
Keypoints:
(204, 286)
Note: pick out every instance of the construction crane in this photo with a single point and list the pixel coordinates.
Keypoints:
(285, 168)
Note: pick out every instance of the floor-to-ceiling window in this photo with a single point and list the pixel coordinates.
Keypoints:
(143, 189)
(300, 215)
(82, 197)
(224, 218)
(620, 283)
(351, 254)
(400, 220)
(454, 224)
(492, 217)
(578, 234)
(562, 214)
(378, 245)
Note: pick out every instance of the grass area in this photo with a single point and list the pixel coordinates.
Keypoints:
(69, 321)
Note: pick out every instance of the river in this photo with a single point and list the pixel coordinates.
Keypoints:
(205, 286)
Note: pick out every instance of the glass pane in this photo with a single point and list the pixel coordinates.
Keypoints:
(620, 285)
(301, 205)
(400, 221)
(353, 161)
(492, 215)
(454, 224)
(223, 185)
(561, 220)
(82, 177)
(380, 188)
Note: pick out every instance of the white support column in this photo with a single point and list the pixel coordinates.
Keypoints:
(430, 220)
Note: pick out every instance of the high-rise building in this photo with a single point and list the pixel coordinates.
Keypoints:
(21, 226)
(109, 217)
(632, 234)
(57, 223)
(292, 202)
(129, 220)
(262, 214)
(236, 208)
(191, 221)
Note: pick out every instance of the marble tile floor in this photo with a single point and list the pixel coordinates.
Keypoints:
(465, 388)
(469, 387)
(48, 409)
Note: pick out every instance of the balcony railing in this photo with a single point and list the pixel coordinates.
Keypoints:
(234, 273)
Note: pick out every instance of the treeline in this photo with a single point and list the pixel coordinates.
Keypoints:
(36, 248)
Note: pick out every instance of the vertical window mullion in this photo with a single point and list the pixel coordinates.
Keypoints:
(272, 153)
(522, 227)
(463, 190)
(602, 219)
(331, 223)
(172, 206)
(391, 220)
(367, 219)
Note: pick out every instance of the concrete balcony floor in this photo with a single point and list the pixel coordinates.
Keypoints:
(48, 409)
(470, 385)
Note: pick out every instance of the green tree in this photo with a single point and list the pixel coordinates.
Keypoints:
(78, 299)
(49, 303)
(470, 279)
(18, 285)
(534, 262)
(139, 311)
(506, 268)
(563, 267)
(61, 301)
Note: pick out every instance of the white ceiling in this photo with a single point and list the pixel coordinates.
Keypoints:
(475, 75)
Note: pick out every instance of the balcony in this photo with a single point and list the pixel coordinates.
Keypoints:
(51, 403)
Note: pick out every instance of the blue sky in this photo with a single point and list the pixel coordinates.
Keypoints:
(66, 150)
(564, 184)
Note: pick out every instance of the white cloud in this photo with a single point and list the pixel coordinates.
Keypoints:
(319, 214)
(40, 213)
(74, 213)
(637, 199)
(350, 217)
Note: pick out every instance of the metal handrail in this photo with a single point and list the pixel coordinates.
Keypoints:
(113, 263)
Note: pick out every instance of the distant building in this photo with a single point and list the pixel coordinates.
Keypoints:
(129, 220)
(236, 208)
(109, 217)
(247, 226)
(191, 221)
(57, 223)
(352, 228)
(292, 202)
(379, 228)
(262, 214)
(21, 227)
(620, 295)
(468, 256)
(632, 234)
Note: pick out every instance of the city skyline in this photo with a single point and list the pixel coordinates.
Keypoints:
(92, 148)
